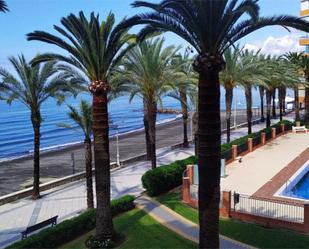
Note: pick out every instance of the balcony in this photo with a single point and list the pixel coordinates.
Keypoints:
(304, 40)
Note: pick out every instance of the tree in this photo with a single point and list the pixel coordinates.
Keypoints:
(185, 90)
(83, 119)
(3, 6)
(262, 92)
(149, 70)
(94, 49)
(32, 87)
(210, 27)
(294, 58)
(229, 77)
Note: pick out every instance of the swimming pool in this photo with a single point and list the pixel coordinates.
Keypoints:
(297, 187)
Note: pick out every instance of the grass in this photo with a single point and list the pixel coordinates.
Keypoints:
(140, 231)
(244, 232)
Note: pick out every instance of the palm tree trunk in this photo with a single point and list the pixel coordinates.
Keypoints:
(146, 126)
(209, 163)
(228, 103)
(261, 90)
(274, 103)
(268, 104)
(152, 116)
(36, 123)
(281, 93)
(248, 93)
(306, 105)
(104, 223)
(296, 104)
(283, 99)
(184, 110)
(88, 162)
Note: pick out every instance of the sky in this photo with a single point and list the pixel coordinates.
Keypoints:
(28, 15)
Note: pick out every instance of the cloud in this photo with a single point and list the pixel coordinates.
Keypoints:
(277, 45)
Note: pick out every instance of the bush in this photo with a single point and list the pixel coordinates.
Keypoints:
(163, 179)
(160, 180)
(68, 230)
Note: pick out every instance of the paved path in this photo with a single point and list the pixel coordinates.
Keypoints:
(70, 199)
(179, 224)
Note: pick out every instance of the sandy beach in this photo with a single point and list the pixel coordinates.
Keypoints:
(17, 174)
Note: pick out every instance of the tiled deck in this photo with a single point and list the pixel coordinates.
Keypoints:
(285, 154)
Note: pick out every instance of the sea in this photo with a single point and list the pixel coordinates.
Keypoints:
(16, 134)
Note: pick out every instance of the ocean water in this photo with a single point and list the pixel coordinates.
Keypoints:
(16, 135)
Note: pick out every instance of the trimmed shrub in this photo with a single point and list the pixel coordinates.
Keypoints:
(160, 180)
(68, 230)
(165, 178)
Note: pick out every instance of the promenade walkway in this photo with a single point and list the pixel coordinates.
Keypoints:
(68, 200)
(179, 224)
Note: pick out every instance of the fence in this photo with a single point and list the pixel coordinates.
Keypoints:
(241, 148)
(256, 140)
(267, 208)
(227, 154)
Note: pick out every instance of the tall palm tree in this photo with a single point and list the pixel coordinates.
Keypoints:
(83, 119)
(148, 67)
(211, 27)
(252, 72)
(294, 58)
(229, 77)
(3, 6)
(262, 93)
(185, 89)
(32, 87)
(94, 49)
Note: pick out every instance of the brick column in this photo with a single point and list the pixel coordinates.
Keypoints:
(283, 128)
(186, 190)
(273, 133)
(250, 144)
(190, 173)
(225, 204)
(306, 218)
(263, 138)
(234, 151)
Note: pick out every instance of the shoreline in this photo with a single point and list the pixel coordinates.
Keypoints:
(79, 144)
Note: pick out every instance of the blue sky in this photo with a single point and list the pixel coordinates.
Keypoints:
(29, 15)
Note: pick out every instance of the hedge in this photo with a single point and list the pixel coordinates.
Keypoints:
(160, 180)
(68, 230)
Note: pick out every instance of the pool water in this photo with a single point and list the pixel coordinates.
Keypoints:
(301, 189)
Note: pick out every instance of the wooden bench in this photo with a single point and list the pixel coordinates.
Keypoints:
(52, 221)
(299, 129)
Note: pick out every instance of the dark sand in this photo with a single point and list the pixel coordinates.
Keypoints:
(16, 175)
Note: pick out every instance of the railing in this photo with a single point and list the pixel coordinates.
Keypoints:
(227, 154)
(241, 148)
(256, 140)
(268, 135)
(194, 192)
(278, 130)
(267, 208)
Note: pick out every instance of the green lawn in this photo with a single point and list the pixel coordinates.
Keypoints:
(141, 231)
(247, 233)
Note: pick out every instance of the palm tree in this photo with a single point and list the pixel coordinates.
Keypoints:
(83, 119)
(148, 67)
(32, 87)
(294, 58)
(229, 78)
(251, 69)
(185, 88)
(3, 6)
(262, 92)
(210, 27)
(94, 49)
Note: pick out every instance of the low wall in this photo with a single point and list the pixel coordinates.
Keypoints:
(72, 178)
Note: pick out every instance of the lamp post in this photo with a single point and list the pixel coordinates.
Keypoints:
(235, 114)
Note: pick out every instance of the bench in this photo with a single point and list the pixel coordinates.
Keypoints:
(52, 221)
(299, 129)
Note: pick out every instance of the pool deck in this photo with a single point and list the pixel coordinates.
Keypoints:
(263, 171)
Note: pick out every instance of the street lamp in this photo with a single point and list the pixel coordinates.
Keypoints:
(235, 113)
